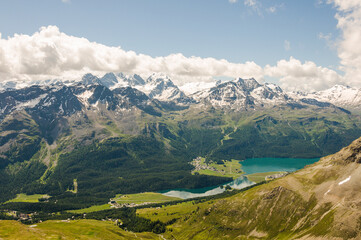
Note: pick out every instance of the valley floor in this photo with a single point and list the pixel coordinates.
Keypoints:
(64, 229)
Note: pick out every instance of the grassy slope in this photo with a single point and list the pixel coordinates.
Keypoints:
(94, 208)
(139, 198)
(78, 229)
(28, 198)
(167, 213)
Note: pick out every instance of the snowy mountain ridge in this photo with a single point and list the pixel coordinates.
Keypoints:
(237, 94)
(339, 95)
(242, 94)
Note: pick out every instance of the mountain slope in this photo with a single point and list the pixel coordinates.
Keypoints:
(321, 201)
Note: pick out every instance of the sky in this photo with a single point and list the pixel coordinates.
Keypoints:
(301, 45)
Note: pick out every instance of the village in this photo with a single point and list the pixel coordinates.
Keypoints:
(227, 169)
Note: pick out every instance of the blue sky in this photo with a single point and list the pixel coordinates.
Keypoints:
(205, 28)
(297, 44)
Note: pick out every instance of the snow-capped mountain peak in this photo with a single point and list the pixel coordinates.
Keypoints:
(158, 77)
(247, 84)
(161, 87)
(131, 80)
(339, 95)
(109, 80)
(242, 94)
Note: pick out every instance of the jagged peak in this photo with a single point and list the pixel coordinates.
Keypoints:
(110, 75)
(249, 83)
(89, 78)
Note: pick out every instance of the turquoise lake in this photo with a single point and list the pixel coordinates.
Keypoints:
(238, 183)
(249, 166)
(261, 165)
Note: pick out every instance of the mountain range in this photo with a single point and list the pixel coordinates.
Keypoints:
(238, 94)
(125, 134)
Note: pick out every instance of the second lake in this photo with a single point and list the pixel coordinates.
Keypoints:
(249, 166)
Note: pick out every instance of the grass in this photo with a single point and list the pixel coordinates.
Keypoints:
(139, 198)
(94, 208)
(168, 213)
(230, 169)
(28, 198)
(77, 229)
(259, 177)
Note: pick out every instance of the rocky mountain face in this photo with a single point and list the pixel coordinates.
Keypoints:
(321, 201)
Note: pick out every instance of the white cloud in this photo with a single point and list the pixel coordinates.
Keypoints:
(272, 9)
(254, 5)
(349, 48)
(326, 37)
(250, 3)
(50, 53)
(287, 45)
(307, 76)
(261, 7)
(232, 1)
(65, 1)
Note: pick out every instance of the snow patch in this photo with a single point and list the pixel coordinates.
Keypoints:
(329, 190)
(31, 103)
(83, 97)
(344, 181)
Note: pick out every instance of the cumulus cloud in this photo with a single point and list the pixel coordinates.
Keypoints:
(295, 75)
(349, 48)
(50, 53)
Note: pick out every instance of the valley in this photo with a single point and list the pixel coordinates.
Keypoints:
(104, 148)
